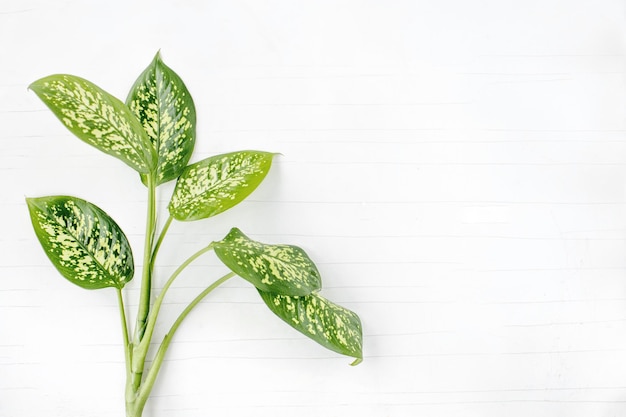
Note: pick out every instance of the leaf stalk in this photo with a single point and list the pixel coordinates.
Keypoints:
(140, 351)
(146, 280)
(147, 385)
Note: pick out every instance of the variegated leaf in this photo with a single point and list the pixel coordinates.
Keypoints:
(281, 269)
(218, 183)
(98, 118)
(165, 108)
(82, 241)
(329, 324)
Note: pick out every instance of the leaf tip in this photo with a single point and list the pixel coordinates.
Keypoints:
(34, 86)
(30, 202)
(38, 85)
(356, 361)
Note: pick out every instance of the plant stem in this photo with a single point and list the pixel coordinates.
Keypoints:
(135, 376)
(141, 349)
(146, 280)
(147, 385)
(127, 351)
(166, 227)
(131, 393)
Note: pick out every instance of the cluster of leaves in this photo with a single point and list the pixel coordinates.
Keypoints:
(154, 133)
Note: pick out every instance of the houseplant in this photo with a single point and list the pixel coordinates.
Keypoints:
(153, 132)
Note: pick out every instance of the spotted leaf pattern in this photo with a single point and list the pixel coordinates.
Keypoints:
(218, 183)
(281, 269)
(165, 108)
(82, 241)
(329, 324)
(97, 118)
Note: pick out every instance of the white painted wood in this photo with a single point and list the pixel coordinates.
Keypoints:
(457, 169)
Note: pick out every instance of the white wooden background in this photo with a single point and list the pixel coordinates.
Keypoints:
(456, 168)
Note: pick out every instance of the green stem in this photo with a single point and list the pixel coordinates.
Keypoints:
(147, 385)
(166, 227)
(146, 285)
(131, 394)
(141, 350)
(146, 280)
(127, 351)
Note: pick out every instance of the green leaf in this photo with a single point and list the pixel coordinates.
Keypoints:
(82, 241)
(218, 183)
(330, 325)
(98, 118)
(165, 108)
(281, 269)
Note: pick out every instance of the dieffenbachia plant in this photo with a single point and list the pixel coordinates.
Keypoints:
(153, 132)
